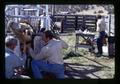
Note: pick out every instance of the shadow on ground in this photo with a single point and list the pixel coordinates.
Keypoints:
(72, 54)
(80, 71)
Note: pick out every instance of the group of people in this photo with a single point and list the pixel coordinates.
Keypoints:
(44, 48)
(46, 54)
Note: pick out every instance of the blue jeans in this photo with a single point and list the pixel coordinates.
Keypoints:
(99, 41)
(38, 66)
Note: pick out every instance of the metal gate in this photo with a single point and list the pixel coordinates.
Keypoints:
(76, 22)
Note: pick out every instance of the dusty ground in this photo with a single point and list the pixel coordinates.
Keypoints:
(86, 65)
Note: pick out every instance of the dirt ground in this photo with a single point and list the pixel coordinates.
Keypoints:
(86, 65)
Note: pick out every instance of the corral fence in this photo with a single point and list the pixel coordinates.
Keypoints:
(76, 22)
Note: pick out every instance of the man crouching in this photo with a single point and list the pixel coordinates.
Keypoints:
(49, 59)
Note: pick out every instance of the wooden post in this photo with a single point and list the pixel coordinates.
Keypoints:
(109, 24)
(76, 22)
(53, 9)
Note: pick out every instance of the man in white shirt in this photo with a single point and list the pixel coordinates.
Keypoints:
(101, 27)
(50, 58)
(45, 21)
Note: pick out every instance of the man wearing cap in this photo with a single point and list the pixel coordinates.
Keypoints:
(50, 58)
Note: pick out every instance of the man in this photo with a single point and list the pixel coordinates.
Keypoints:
(11, 60)
(50, 58)
(45, 21)
(13, 63)
(101, 27)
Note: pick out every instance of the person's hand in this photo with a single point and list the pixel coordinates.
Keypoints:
(18, 71)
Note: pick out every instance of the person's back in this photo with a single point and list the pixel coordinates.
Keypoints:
(11, 62)
(55, 51)
(101, 25)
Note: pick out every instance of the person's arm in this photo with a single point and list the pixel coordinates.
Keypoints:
(64, 44)
(41, 55)
(10, 64)
(97, 29)
(35, 44)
